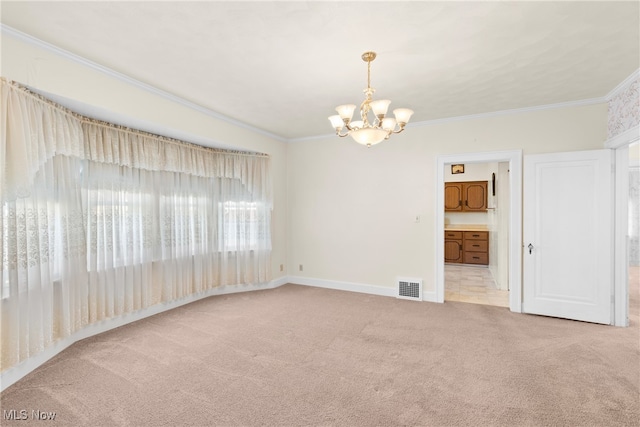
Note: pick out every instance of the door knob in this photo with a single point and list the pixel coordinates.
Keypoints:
(530, 248)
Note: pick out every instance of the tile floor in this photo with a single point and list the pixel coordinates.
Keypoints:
(465, 283)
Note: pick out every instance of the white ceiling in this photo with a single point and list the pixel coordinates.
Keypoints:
(283, 66)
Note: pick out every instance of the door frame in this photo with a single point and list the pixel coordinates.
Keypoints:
(514, 158)
(621, 145)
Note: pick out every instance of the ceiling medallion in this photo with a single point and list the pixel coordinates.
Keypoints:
(367, 132)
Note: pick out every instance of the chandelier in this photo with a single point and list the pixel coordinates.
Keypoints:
(367, 132)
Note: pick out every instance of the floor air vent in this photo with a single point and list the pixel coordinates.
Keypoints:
(410, 288)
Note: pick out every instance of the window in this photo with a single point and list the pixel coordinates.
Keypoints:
(243, 226)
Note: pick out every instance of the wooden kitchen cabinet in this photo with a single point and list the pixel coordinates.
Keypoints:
(470, 196)
(475, 247)
(453, 197)
(453, 246)
(467, 247)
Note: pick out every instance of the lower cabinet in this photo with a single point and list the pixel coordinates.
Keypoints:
(468, 247)
(453, 246)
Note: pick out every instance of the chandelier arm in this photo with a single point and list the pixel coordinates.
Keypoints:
(399, 130)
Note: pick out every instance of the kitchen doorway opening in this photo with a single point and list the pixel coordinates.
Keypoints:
(480, 243)
(476, 233)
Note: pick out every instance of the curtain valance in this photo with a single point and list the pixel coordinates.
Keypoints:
(34, 129)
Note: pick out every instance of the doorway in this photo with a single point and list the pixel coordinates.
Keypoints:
(512, 161)
(633, 233)
(627, 154)
(476, 233)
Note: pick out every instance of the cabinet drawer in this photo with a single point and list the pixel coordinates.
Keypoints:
(476, 258)
(476, 245)
(476, 235)
(453, 235)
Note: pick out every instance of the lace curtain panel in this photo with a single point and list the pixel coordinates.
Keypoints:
(100, 221)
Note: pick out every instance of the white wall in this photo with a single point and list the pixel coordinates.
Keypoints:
(352, 208)
(50, 72)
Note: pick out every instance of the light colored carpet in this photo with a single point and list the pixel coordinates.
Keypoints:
(308, 356)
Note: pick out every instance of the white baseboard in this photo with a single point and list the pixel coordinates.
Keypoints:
(355, 287)
(429, 296)
(343, 286)
(15, 373)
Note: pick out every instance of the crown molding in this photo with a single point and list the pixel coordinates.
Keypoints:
(627, 137)
(4, 29)
(580, 103)
(311, 138)
(12, 32)
(623, 85)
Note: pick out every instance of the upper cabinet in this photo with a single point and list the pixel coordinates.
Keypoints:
(468, 196)
(453, 196)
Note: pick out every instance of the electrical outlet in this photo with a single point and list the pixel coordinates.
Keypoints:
(300, 268)
(281, 267)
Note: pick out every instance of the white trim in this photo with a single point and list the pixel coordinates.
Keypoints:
(580, 103)
(623, 85)
(316, 138)
(627, 137)
(15, 373)
(515, 218)
(429, 296)
(568, 104)
(620, 143)
(343, 286)
(620, 251)
(12, 32)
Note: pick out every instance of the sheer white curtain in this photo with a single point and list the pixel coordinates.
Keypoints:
(43, 262)
(99, 221)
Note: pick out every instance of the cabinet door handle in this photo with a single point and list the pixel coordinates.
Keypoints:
(476, 246)
(530, 248)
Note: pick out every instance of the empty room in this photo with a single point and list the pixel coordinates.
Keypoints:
(286, 213)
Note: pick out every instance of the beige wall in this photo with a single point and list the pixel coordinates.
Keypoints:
(53, 73)
(352, 209)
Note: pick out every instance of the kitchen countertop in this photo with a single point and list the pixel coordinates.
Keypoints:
(466, 227)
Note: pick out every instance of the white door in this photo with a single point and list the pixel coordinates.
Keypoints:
(568, 235)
